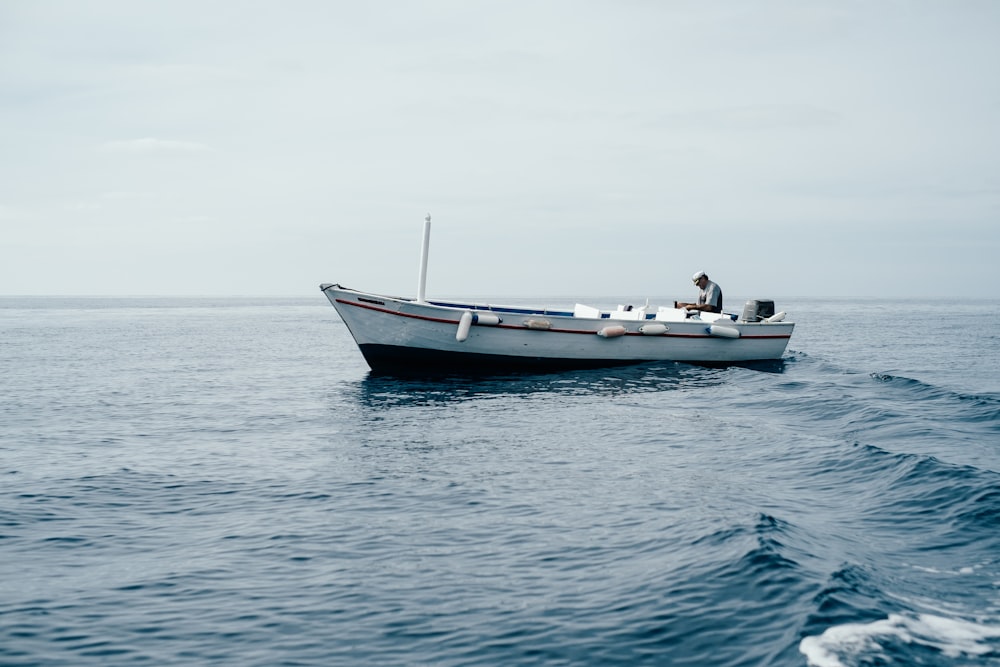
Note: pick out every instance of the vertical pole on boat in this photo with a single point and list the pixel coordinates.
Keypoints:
(422, 285)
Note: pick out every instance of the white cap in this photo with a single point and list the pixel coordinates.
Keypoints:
(696, 277)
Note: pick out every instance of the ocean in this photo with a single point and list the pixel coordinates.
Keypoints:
(221, 481)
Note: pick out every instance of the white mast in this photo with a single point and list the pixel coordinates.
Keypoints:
(422, 285)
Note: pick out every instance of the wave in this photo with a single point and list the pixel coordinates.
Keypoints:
(825, 368)
(893, 412)
(739, 580)
(918, 579)
(956, 504)
(976, 407)
(904, 639)
(913, 503)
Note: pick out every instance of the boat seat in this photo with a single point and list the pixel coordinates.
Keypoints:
(580, 310)
(622, 314)
(665, 314)
(644, 312)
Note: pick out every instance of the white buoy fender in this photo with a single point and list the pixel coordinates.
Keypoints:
(486, 319)
(724, 331)
(612, 331)
(777, 317)
(464, 324)
(654, 329)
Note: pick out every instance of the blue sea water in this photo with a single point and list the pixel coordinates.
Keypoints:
(200, 481)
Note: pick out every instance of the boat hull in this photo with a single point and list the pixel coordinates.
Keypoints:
(397, 359)
(402, 335)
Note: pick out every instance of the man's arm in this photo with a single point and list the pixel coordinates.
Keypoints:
(705, 308)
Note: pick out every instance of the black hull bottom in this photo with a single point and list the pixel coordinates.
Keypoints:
(396, 360)
(391, 359)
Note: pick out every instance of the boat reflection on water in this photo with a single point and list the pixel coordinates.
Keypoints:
(388, 390)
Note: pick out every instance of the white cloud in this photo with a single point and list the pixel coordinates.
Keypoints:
(756, 117)
(118, 195)
(186, 73)
(7, 213)
(151, 146)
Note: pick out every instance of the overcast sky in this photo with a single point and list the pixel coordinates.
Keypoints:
(574, 147)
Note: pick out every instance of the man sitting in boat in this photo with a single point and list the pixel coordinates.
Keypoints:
(709, 295)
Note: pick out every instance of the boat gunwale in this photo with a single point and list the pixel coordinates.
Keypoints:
(564, 314)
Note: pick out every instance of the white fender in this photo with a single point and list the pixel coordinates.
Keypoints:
(724, 331)
(777, 317)
(486, 319)
(612, 331)
(537, 324)
(654, 329)
(464, 324)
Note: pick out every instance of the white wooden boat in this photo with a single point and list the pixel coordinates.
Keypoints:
(399, 335)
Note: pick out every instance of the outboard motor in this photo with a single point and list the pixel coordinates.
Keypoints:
(756, 310)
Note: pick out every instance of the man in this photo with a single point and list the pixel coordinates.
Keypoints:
(709, 295)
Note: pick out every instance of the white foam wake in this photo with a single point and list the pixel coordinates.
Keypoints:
(954, 638)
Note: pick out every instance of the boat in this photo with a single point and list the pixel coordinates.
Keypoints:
(405, 335)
